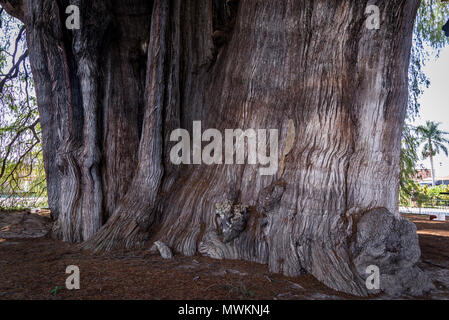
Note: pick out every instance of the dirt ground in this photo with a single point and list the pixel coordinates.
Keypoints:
(34, 268)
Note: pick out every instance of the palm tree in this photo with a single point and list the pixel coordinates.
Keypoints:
(434, 141)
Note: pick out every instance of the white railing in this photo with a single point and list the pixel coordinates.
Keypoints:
(434, 211)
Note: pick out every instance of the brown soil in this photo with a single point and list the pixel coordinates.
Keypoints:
(33, 268)
(433, 239)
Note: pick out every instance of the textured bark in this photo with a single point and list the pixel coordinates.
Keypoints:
(108, 110)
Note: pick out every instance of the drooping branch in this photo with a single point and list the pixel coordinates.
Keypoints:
(14, 71)
(20, 130)
(10, 145)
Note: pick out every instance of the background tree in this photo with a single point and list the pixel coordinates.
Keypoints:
(107, 107)
(22, 176)
(433, 141)
(428, 39)
(409, 158)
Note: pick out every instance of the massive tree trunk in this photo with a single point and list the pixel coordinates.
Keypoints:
(111, 93)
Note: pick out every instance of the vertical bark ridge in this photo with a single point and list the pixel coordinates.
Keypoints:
(128, 225)
(57, 88)
(123, 66)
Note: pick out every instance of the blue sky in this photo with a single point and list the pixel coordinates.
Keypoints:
(435, 103)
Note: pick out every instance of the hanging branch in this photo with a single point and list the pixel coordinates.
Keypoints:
(14, 71)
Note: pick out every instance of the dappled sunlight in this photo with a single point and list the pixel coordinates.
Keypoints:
(429, 227)
(433, 232)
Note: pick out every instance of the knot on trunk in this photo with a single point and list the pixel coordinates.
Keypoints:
(270, 196)
(391, 244)
(143, 222)
(233, 219)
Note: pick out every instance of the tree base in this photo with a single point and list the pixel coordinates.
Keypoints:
(390, 243)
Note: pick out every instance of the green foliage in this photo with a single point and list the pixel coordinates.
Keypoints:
(428, 36)
(424, 196)
(22, 174)
(409, 157)
(433, 139)
(433, 192)
(432, 15)
(56, 290)
(412, 194)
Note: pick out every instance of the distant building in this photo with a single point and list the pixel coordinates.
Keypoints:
(424, 177)
(422, 174)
